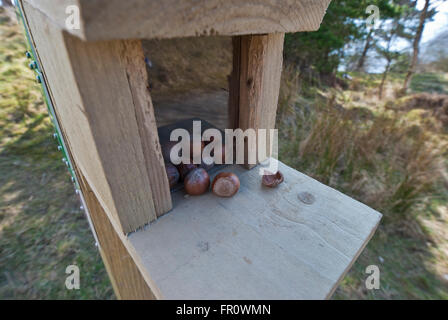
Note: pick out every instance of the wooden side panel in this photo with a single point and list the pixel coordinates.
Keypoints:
(126, 278)
(137, 19)
(258, 60)
(107, 115)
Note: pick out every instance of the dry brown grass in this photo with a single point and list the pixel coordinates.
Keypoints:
(383, 162)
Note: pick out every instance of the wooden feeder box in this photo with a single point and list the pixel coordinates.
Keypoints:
(293, 242)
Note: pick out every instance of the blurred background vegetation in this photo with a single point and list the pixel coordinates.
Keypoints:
(364, 110)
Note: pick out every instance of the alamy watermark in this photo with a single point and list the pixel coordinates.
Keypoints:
(73, 21)
(372, 21)
(72, 281)
(239, 147)
(373, 280)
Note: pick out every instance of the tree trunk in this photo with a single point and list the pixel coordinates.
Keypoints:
(416, 44)
(362, 60)
(386, 72)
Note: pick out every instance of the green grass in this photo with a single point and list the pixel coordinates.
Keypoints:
(42, 229)
(429, 82)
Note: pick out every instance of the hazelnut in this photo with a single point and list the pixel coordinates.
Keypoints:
(172, 173)
(197, 182)
(184, 169)
(225, 184)
(272, 180)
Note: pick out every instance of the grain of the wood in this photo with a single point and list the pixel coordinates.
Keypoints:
(260, 68)
(91, 91)
(132, 19)
(234, 84)
(261, 244)
(125, 276)
(128, 278)
(144, 113)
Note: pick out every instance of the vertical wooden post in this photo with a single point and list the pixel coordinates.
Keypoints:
(255, 83)
(100, 94)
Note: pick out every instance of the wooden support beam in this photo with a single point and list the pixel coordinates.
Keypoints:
(100, 94)
(255, 83)
(126, 278)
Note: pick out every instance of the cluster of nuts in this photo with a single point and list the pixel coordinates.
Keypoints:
(195, 177)
(197, 181)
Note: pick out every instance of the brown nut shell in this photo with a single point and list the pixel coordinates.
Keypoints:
(172, 173)
(197, 182)
(272, 180)
(225, 184)
(184, 169)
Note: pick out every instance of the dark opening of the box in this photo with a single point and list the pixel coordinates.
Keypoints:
(188, 78)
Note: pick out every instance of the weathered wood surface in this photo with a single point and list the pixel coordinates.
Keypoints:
(144, 113)
(255, 84)
(106, 111)
(131, 19)
(126, 278)
(293, 242)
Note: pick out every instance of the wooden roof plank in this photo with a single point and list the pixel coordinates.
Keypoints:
(147, 19)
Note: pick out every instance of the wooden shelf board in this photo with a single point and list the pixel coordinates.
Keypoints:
(261, 244)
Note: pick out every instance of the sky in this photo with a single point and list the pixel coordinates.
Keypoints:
(440, 20)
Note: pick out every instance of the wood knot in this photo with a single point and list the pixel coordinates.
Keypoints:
(249, 82)
(306, 198)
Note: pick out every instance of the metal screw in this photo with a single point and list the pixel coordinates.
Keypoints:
(38, 79)
(55, 135)
(28, 54)
(81, 207)
(59, 148)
